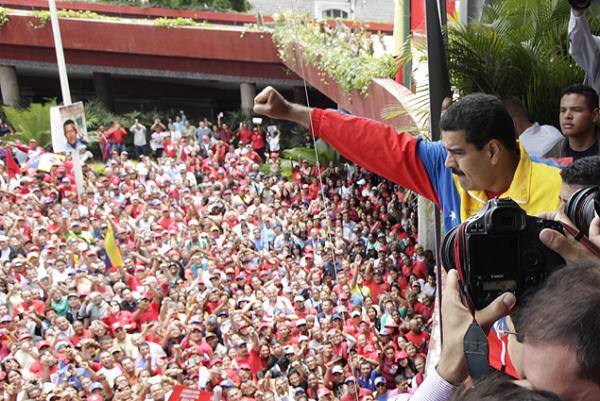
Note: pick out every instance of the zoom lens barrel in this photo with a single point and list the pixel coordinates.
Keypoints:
(582, 207)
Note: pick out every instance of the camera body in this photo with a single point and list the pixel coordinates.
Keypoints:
(498, 250)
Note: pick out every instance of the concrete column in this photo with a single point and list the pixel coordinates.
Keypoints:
(299, 95)
(103, 90)
(426, 228)
(247, 94)
(9, 86)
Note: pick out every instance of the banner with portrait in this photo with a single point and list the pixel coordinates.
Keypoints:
(68, 128)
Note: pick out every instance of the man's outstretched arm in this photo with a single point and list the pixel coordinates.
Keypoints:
(370, 144)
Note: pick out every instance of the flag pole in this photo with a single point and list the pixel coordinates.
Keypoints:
(64, 88)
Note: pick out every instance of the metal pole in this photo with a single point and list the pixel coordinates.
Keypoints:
(60, 56)
(64, 88)
(439, 88)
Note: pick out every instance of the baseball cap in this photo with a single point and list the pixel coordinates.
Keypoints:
(337, 369)
(379, 380)
(350, 379)
(196, 319)
(95, 386)
(227, 383)
(300, 322)
(298, 390)
(355, 313)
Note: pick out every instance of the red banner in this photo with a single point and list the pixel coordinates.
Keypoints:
(183, 393)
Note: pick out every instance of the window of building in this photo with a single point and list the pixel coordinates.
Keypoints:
(334, 13)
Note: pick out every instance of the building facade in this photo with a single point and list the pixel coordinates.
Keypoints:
(363, 10)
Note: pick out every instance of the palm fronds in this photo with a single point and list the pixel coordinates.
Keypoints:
(519, 48)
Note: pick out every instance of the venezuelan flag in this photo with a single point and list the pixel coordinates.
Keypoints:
(113, 255)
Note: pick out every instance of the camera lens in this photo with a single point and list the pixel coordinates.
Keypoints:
(447, 250)
(582, 206)
(580, 4)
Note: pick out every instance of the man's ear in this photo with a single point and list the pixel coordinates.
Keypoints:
(595, 114)
(493, 151)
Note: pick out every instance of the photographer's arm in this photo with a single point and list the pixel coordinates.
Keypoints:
(456, 318)
(583, 46)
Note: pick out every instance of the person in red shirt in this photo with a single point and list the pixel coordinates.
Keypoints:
(258, 142)
(416, 335)
(29, 305)
(374, 281)
(116, 134)
(147, 311)
(244, 133)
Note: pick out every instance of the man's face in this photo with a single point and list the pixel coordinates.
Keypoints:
(565, 193)
(469, 164)
(576, 116)
(71, 133)
(555, 368)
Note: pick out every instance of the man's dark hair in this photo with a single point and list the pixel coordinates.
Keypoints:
(584, 171)
(67, 122)
(591, 97)
(483, 118)
(566, 311)
(497, 387)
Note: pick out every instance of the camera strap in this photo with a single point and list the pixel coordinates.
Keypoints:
(475, 342)
(580, 237)
(476, 351)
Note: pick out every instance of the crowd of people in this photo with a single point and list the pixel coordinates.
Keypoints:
(254, 286)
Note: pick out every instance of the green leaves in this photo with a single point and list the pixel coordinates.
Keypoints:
(3, 16)
(30, 123)
(339, 53)
(519, 48)
(325, 153)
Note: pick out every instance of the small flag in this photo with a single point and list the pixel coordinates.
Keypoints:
(12, 168)
(113, 255)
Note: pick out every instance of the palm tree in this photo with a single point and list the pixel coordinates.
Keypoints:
(30, 123)
(519, 48)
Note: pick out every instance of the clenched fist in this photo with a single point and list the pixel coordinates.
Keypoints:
(270, 103)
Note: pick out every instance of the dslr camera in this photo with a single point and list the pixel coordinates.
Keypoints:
(498, 250)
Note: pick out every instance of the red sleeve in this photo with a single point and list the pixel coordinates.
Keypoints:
(377, 147)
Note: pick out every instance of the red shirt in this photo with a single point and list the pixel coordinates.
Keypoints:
(36, 306)
(151, 314)
(245, 135)
(376, 289)
(117, 135)
(417, 339)
(258, 142)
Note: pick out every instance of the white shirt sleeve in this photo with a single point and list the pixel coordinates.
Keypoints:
(583, 46)
(433, 388)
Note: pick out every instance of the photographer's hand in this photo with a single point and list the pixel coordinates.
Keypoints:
(456, 320)
(566, 246)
